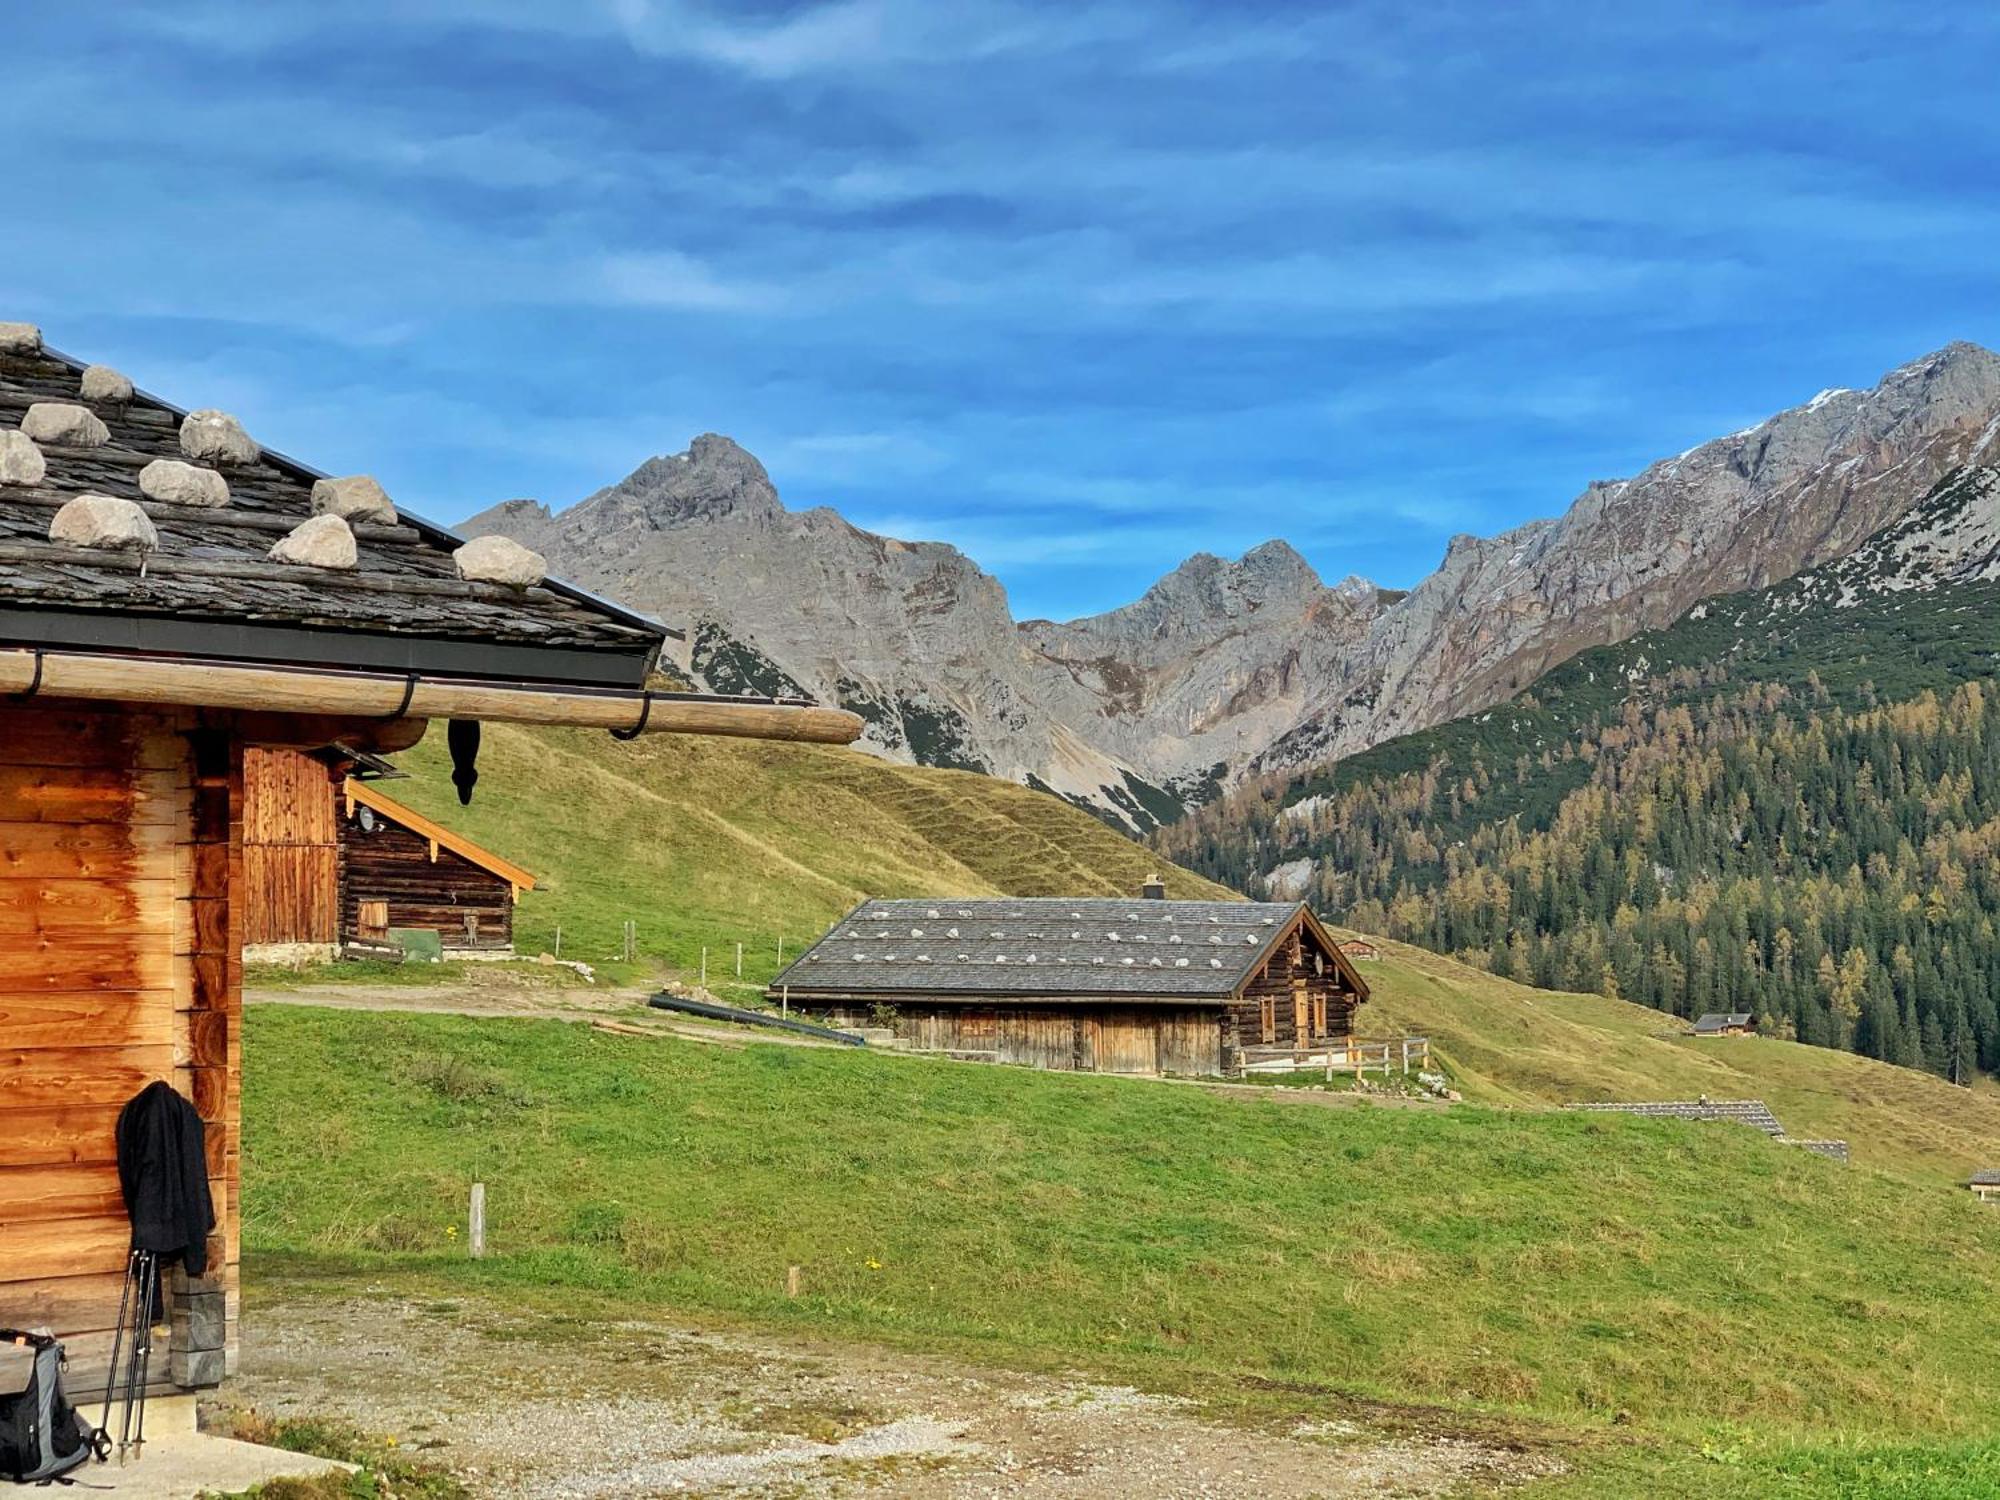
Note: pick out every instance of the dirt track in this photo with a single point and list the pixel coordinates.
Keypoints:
(521, 1405)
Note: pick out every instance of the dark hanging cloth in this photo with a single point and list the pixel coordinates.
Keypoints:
(163, 1168)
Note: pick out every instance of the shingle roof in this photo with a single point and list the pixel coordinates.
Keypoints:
(212, 564)
(1752, 1112)
(1984, 1179)
(1051, 946)
(1718, 1021)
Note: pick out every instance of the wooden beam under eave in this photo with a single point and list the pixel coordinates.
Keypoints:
(312, 731)
(364, 695)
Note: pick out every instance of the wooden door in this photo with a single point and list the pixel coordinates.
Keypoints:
(1302, 1029)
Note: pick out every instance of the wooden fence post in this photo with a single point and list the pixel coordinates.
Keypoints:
(793, 1281)
(704, 968)
(739, 960)
(476, 1240)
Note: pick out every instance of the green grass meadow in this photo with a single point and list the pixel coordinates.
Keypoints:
(1692, 1300)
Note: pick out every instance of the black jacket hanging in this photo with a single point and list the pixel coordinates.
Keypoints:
(163, 1168)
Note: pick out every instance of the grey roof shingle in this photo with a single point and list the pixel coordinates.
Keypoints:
(1718, 1020)
(1984, 1179)
(1048, 946)
(212, 564)
(1752, 1112)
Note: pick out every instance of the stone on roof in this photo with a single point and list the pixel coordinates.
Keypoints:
(172, 482)
(104, 522)
(502, 560)
(20, 338)
(318, 542)
(356, 498)
(102, 383)
(64, 424)
(219, 438)
(21, 462)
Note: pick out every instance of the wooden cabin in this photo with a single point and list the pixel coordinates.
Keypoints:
(1985, 1186)
(1143, 986)
(334, 864)
(1731, 1023)
(149, 641)
(1360, 948)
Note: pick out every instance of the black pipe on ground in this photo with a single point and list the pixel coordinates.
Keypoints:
(664, 1001)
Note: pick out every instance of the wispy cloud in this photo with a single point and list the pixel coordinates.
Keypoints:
(1081, 288)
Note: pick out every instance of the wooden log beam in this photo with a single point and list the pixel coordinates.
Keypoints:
(129, 679)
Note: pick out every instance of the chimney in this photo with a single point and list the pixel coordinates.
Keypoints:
(1155, 889)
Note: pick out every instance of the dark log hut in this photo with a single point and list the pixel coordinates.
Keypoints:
(164, 610)
(1141, 986)
(333, 863)
(399, 871)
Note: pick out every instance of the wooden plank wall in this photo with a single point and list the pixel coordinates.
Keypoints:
(117, 967)
(395, 865)
(291, 849)
(1183, 1040)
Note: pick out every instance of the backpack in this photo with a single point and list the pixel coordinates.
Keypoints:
(42, 1436)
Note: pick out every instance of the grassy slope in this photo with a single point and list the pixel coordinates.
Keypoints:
(711, 842)
(1511, 1044)
(1699, 1280)
(715, 842)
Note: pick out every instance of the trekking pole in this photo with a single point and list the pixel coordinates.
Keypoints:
(118, 1340)
(143, 1356)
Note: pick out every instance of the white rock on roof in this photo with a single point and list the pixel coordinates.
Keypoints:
(217, 437)
(102, 383)
(21, 462)
(65, 425)
(502, 560)
(172, 482)
(321, 542)
(104, 522)
(20, 338)
(354, 498)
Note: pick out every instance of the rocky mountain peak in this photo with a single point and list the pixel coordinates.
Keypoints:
(715, 476)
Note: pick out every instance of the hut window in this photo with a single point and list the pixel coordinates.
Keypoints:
(1267, 1016)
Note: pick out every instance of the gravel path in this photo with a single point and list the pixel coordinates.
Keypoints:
(522, 1405)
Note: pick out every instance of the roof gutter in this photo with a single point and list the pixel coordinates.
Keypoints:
(305, 690)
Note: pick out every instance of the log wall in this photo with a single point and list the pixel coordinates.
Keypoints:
(120, 846)
(423, 886)
(1297, 998)
(1183, 1040)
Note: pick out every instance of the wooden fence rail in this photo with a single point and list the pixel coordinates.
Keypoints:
(1343, 1054)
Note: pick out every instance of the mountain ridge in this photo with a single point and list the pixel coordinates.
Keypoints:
(1224, 667)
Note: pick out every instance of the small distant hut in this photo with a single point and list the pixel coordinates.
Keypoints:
(1360, 948)
(1131, 986)
(1985, 1185)
(1731, 1023)
(334, 865)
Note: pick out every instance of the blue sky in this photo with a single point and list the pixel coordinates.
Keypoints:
(1081, 288)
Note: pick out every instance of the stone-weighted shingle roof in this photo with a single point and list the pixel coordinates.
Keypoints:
(1752, 1112)
(1050, 947)
(212, 565)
